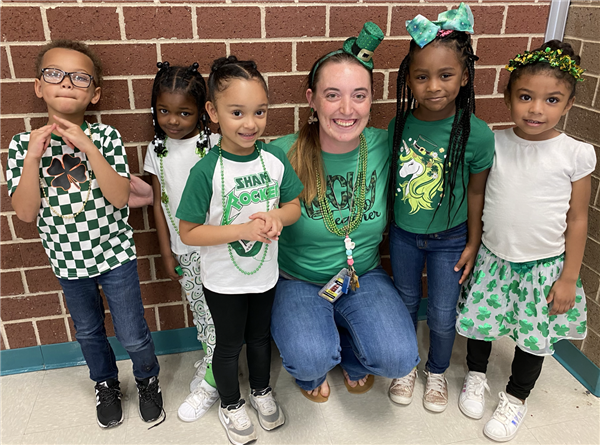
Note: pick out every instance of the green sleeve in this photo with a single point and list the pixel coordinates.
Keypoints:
(391, 129)
(285, 142)
(290, 186)
(483, 143)
(197, 194)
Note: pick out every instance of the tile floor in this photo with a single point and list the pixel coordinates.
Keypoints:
(58, 407)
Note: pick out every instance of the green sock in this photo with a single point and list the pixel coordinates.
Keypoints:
(208, 377)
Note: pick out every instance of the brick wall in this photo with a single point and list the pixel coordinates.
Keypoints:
(583, 122)
(284, 37)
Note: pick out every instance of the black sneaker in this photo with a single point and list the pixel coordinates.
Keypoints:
(151, 402)
(108, 403)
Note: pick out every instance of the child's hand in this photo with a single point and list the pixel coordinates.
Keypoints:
(273, 224)
(170, 264)
(39, 140)
(254, 230)
(563, 296)
(467, 259)
(73, 135)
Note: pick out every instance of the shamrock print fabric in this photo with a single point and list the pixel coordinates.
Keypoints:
(503, 298)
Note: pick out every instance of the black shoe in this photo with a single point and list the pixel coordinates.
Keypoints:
(108, 403)
(151, 402)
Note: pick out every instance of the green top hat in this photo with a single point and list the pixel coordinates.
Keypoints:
(363, 46)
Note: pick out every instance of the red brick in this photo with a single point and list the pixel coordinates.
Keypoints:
(487, 19)
(171, 317)
(11, 283)
(287, 89)
(307, 53)
(390, 54)
(52, 331)
(127, 59)
(503, 80)
(99, 23)
(25, 230)
(8, 128)
(499, 51)
(41, 280)
(378, 79)
(5, 199)
(132, 159)
(146, 243)
(144, 269)
(187, 53)
(33, 254)
(23, 59)
(400, 14)
(161, 272)
(21, 24)
(295, 21)
(4, 68)
(536, 42)
(484, 81)
(348, 21)
(280, 122)
(5, 234)
(529, 19)
(136, 218)
(161, 292)
(20, 335)
(149, 315)
(142, 92)
(115, 96)
(158, 22)
(382, 114)
(492, 110)
(393, 85)
(30, 306)
(270, 57)
(10, 256)
(501, 127)
(2, 347)
(133, 127)
(216, 23)
(19, 97)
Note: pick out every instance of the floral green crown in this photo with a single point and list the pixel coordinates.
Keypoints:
(555, 58)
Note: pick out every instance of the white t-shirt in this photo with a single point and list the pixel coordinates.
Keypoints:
(176, 166)
(528, 192)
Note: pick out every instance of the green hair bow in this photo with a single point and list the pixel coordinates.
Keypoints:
(424, 31)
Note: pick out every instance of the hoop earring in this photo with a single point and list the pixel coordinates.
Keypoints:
(313, 117)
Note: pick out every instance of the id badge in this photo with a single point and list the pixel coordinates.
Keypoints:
(336, 287)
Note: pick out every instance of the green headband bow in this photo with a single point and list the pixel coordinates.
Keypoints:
(423, 31)
(555, 58)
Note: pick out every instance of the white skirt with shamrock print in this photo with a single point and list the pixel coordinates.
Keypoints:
(503, 298)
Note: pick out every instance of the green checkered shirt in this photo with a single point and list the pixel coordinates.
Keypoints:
(99, 238)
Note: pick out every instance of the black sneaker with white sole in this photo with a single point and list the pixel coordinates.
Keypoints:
(108, 403)
(151, 402)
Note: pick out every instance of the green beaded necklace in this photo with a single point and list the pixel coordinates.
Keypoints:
(264, 255)
(164, 198)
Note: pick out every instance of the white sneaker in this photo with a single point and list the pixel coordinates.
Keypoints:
(436, 392)
(238, 426)
(401, 390)
(472, 401)
(270, 415)
(508, 417)
(200, 366)
(198, 402)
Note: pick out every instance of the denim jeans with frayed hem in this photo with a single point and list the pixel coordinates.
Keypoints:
(121, 287)
(442, 250)
(367, 331)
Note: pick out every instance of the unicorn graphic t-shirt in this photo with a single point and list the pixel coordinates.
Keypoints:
(420, 198)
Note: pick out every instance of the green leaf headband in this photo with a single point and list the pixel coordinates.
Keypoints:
(424, 31)
(555, 58)
(361, 47)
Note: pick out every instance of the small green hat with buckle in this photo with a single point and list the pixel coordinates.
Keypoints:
(363, 46)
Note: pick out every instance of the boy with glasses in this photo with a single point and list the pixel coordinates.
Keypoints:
(73, 178)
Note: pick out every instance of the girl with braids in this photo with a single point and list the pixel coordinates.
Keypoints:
(526, 279)
(234, 206)
(181, 138)
(441, 157)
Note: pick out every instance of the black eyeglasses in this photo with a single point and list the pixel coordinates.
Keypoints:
(79, 80)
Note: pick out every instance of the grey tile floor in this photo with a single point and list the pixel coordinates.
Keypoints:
(58, 407)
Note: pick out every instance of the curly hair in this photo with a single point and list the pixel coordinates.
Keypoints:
(75, 46)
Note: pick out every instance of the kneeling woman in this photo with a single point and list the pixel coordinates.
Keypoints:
(344, 168)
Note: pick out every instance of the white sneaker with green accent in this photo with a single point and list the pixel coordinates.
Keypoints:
(436, 392)
(472, 397)
(507, 419)
(401, 390)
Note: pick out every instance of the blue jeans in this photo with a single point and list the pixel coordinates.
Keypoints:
(442, 250)
(367, 331)
(121, 287)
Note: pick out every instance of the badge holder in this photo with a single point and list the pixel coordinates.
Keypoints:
(336, 287)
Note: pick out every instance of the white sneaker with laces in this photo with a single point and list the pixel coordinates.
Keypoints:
(508, 417)
(200, 366)
(238, 426)
(472, 397)
(436, 392)
(270, 416)
(198, 402)
(401, 390)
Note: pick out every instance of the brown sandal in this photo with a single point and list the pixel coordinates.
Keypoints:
(360, 389)
(319, 398)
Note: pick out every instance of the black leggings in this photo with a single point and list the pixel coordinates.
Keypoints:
(526, 368)
(239, 317)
